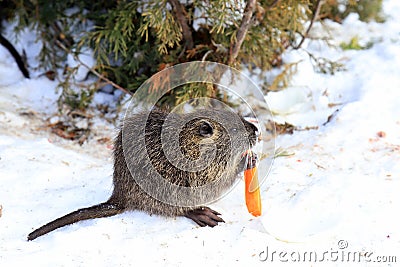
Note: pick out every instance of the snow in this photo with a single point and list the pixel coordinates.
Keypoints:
(339, 187)
(81, 63)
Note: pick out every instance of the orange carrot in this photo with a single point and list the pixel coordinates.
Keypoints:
(252, 191)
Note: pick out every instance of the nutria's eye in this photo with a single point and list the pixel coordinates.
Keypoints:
(205, 129)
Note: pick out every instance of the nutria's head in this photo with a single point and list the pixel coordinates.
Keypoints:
(218, 131)
(203, 137)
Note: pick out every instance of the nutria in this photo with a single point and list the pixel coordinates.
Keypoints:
(139, 157)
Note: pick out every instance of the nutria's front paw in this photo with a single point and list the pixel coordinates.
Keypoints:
(204, 216)
(251, 160)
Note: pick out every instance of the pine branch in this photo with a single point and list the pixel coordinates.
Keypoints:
(244, 26)
(181, 16)
(16, 56)
(62, 46)
(315, 16)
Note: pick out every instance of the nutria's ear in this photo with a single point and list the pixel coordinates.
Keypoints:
(253, 128)
(205, 129)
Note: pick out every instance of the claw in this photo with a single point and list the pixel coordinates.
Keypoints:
(204, 216)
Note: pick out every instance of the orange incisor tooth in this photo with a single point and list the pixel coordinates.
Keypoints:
(252, 191)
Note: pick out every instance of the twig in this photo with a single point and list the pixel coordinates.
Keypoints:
(63, 38)
(15, 55)
(181, 14)
(319, 166)
(315, 16)
(244, 26)
(93, 70)
(273, 4)
(206, 54)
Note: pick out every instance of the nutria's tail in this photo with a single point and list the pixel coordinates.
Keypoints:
(105, 209)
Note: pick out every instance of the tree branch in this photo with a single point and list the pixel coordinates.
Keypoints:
(315, 16)
(16, 56)
(244, 26)
(62, 46)
(181, 16)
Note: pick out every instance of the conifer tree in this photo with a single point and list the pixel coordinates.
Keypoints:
(132, 40)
